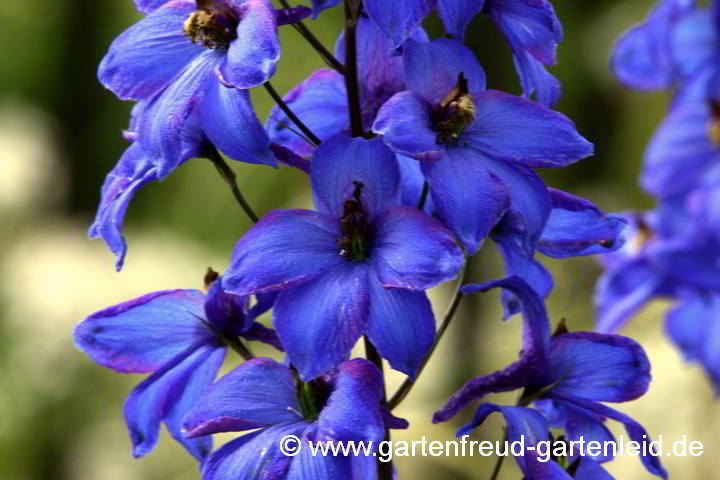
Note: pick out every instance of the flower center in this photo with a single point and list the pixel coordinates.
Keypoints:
(456, 113)
(354, 243)
(312, 397)
(714, 128)
(213, 25)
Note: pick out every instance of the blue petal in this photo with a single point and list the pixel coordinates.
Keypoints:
(642, 58)
(226, 312)
(319, 322)
(694, 41)
(307, 466)
(549, 138)
(574, 357)
(251, 58)
(406, 124)
(413, 250)
(143, 334)
(258, 393)
(132, 172)
(260, 333)
(401, 326)
(320, 5)
(320, 102)
(529, 25)
(532, 364)
(166, 393)
(520, 263)
(581, 425)
(342, 161)
(255, 456)
(623, 291)
(533, 31)
(200, 378)
(285, 248)
(399, 18)
(413, 182)
(231, 125)
(457, 15)
(680, 152)
(162, 123)
(524, 424)
(536, 80)
(147, 6)
(468, 195)
(432, 68)
(151, 54)
(353, 412)
(576, 227)
(636, 431)
(694, 328)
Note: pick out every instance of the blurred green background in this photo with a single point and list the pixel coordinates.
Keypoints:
(61, 416)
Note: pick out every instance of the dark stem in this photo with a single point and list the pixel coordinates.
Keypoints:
(351, 74)
(291, 115)
(324, 53)
(423, 196)
(384, 469)
(231, 179)
(498, 463)
(408, 384)
(240, 348)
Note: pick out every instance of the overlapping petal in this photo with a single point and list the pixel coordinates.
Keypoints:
(549, 139)
(230, 123)
(319, 322)
(401, 326)
(400, 18)
(285, 248)
(625, 372)
(145, 333)
(414, 251)
(166, 394)
(258, 393)
(131, 69)
(341, 162)
(352, 412)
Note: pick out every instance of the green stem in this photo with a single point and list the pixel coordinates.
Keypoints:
(291, 115)
(351, 74)
(324, 53)
(498, 463)
(231, 179)
(423, 196)
(384, 469)
(408, 384)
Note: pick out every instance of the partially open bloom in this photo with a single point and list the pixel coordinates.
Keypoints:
(561, 374)
(179, 338)
(264, 396)
(357, 266)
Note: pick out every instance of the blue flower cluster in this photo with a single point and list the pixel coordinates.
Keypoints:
(413, 165)
(673, 251)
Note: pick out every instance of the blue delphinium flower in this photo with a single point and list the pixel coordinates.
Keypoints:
(179, 338)
(357, 266)
(182, 61)
(575, 227)
(466, 138)
(262, 395)
(674, 41)
(562, 374)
